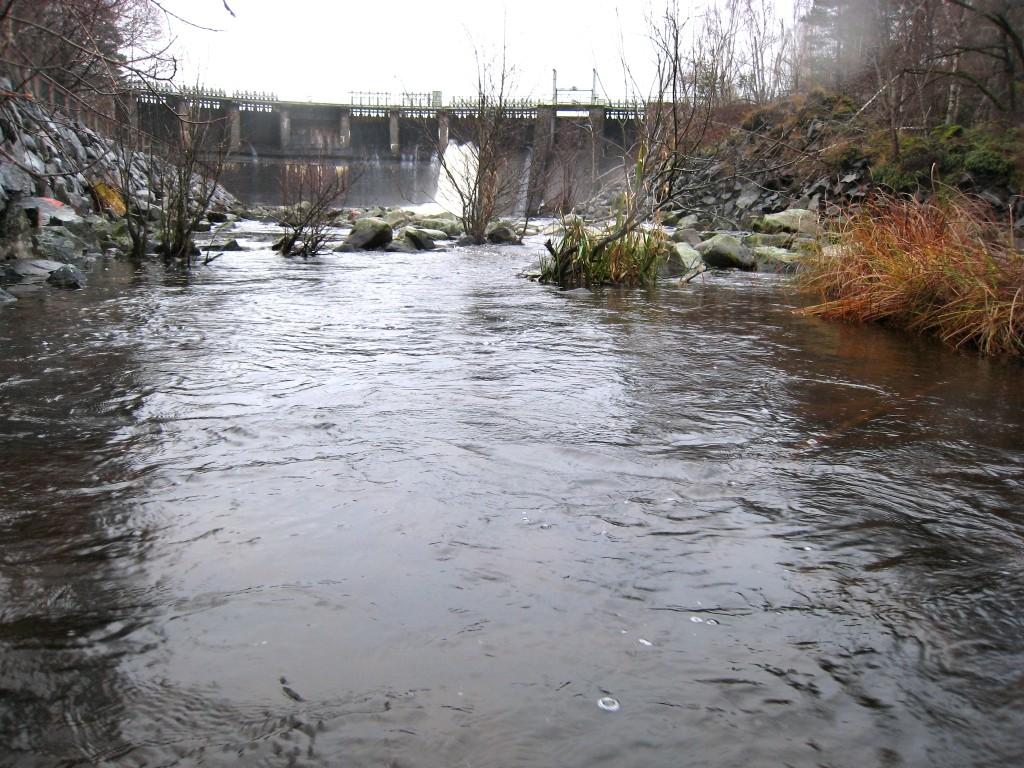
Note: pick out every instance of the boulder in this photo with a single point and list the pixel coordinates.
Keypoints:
(230, 246)
(769, 258)
(217, 217)
(688, 236)
(778, 240)
(62, 245)
(420, 239)
(502, 234)
(749, 195)
(397, 217)
(401, 245)
(795, 220)
(726, 252)
(450, 227)
(682, 259)
(27, 270)
(369, 234)
(67, 276)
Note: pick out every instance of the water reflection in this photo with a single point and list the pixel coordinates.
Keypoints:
(409, 509)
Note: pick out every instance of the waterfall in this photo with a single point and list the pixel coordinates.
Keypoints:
(460, 161)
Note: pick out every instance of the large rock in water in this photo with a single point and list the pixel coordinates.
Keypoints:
(502, 234)
(27, 270)
(369, 234)
(770, 258)
(67, 276)
(726, 252)
(795, 220)
(421, 239)
(682, 259)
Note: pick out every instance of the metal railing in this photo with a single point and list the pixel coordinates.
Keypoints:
(415, 103)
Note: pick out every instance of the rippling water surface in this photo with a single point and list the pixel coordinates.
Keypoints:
(411, 510)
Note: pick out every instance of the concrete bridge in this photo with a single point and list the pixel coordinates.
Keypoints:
(259, 125)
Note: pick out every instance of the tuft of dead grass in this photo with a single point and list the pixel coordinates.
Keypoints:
(943, 267)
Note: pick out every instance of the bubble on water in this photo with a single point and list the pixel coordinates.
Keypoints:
(711, 621)
(644, 642)
(696, 619)
(608, 704)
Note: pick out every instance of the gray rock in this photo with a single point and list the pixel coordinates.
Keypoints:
(748, 196)
(726, 252)
(59, 244)
(449, 226)
(682, 259)
(502, 234)
(5, 297)
(27, 270)
(401, 245)
(67, 276)
(795, 220)
(231, 246)
(397, 217)
(16, 181)
(688, 236)
(420, 239)
(777, 240)
(772, 259)
(369, 234)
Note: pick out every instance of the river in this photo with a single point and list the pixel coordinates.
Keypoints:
(413, 510)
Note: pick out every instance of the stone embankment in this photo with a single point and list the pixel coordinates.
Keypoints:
(56, 211)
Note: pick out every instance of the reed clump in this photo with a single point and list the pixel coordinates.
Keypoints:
(942, 267)
(586, 257)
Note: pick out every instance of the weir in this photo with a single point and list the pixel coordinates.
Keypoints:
(261, 126)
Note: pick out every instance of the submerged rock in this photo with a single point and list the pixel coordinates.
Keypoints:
(726, 252)
(67, 276)
(5, 297)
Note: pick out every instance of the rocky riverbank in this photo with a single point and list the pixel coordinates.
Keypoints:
(59, 210)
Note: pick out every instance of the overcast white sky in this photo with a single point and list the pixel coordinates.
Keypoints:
(323, 49)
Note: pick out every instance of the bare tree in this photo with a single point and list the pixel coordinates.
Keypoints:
(310, 192)
(186, 172)
(487, 177)
(660, 168)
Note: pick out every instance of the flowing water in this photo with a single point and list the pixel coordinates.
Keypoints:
(412, 510)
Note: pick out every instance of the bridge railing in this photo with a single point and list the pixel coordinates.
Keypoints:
(379, 103)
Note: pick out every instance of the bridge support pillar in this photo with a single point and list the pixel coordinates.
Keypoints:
(597, 144)
(393, 132)
(234, 128)
(543, 144)
(345, 129)
(285, 124)
(442, 130)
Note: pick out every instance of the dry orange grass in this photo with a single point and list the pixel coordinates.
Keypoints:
(941, 267)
